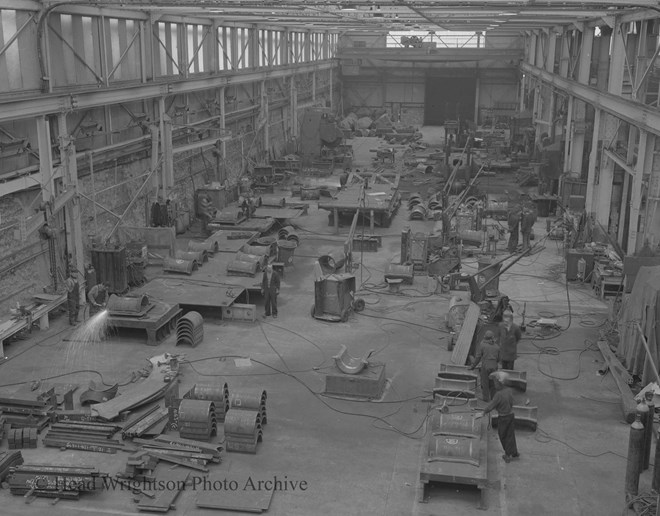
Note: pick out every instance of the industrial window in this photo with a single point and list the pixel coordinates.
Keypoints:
(196, 38)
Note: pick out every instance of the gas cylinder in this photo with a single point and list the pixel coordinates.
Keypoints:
(582, 267)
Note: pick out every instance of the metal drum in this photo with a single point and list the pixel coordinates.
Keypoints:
(179, 266)
(333, 261)
(285, 250)
(127, 305)
(199, 256)
(452, 448)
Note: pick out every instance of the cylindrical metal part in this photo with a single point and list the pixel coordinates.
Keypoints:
(242, 422)
(208, 246)
(196, 411)
(248, 399)
(245, 257)
(333, 261)
(418, 212)
(199, 256)
(180, 266)
(648, 430)
(643, 410)
(285, 250)
(635, 449)
(117, 304)
(285, 231)
(256, 249)
(240, 267)
(267, 241)
(655, 485)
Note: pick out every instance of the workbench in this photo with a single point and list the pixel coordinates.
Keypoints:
(158, 321)
(606, 281)
(39, 310)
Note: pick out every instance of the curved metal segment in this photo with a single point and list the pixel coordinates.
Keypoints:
(350, 365)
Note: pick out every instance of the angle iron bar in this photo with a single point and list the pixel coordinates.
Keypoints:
(139, 418)
(52, 443)
(180, 462)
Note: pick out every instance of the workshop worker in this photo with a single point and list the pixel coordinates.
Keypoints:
(206, 211)
(514, 227)
(489, 356)
(510, 335)
(97, 297)
(527, 221)
(503, 403)
(72, 298)
(270, 288)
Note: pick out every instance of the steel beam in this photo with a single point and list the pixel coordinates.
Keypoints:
(75, 256)
(636, 194)
(619, 161)
(593, 157)
(65, 102)
(632, 112)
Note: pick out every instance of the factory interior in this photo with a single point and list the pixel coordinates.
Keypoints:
(301, 257)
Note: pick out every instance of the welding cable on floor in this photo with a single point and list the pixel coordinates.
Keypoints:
(551, 350)
(302, 337)
(543, 437)
(403, 322)
(318, 396)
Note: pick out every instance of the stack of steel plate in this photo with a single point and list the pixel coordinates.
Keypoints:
(22, 438)
(250, 399)
(243, 430)
(217, 392)
(190, 329)
(60, 482)
(197, 419)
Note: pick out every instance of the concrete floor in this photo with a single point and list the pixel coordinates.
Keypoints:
(362, 458)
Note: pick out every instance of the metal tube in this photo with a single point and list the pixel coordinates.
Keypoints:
(648, 434)
(635, 446)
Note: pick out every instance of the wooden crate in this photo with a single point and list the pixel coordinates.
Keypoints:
(240, 312)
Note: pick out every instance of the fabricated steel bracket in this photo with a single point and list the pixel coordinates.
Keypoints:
(350, 365)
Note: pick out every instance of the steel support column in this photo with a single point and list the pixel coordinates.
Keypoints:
(294, 108)
(45, 159)
(651, 223)
(577, 136)
(615, 87)
(641, 166)
(568, 132)
(223, 127)
(593, 157)
(72, 209)
(265, 120)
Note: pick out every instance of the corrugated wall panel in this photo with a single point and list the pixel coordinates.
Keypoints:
(57, 70)
(4, 73)
(30, 74)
